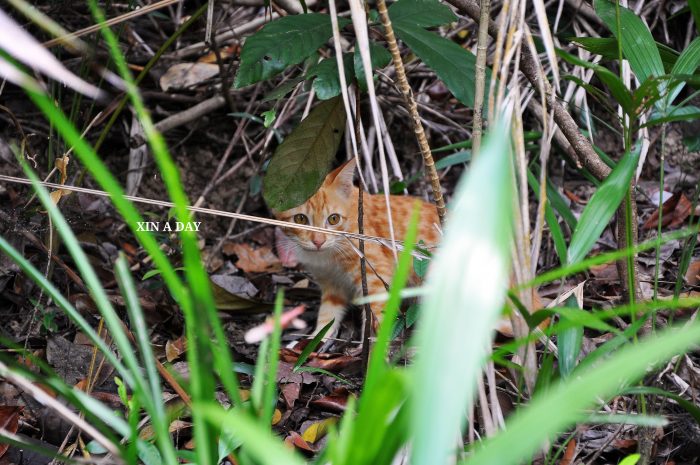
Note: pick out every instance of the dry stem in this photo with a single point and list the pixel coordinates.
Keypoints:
(413, 110)
(480, 78)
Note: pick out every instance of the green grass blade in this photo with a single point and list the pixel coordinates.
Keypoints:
(159, 418)
(151, 400)
(62, 302)
(311, 346)
(608, 257)
(527, 429)
(257, 439)
(550, 218)
(689, 406)
(377, 363)
(569, 343)
(272, 357)
(467, 289)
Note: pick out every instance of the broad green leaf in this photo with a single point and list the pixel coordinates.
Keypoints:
(607, 48)
(686, 113)
(420, 266)
(303, 160)
(327, 82)
(692, 143)
(466, 292)
(283, 89)
(601, 208)
(530, 427)
(379, 56)
(281, 43)
(687, 64)
(420, 13)
(454, 65)
(695, 10)
(638, 45)
(569, 342)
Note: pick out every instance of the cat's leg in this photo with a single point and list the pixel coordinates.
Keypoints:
(333, 308)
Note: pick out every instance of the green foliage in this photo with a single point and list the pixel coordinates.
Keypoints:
(607, 47)
(420, 13)
(454, 65)
(638, 45)
(282, 43)
(550, 217)
(528, 428)
(569, 342)
(327, 82)
(303, 160)
(602, 207)
(379, 57)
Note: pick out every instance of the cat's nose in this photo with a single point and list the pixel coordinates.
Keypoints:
(318, 241)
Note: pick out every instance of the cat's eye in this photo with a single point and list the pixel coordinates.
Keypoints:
(334, 219)
(300, 218)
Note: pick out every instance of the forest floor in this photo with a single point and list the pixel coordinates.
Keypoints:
(242, 258)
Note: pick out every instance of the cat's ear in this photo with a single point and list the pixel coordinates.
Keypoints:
(341, 177)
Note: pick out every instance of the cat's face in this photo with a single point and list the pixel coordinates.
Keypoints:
(331, 207)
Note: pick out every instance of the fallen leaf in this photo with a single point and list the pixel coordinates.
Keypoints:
(224, 52)
(173, 349)
(674, 212)
(58, 194)
(276, 417)
(185, 75)
(693, 273)
(290, 393)
(569, 453)
(605, 272)
(61, 165)
(9, 421)
(681, 212)
(178, 425)
(231, 301)
(574, 198)
(236, 285)
(336, 401)
(318, 429)
(286, 374)
(345, 363)
(295, 440)
(260, 260)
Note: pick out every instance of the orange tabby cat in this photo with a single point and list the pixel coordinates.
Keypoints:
(332, 260)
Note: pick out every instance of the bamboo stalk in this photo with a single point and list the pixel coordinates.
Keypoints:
(480, 77)
(431, 172)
